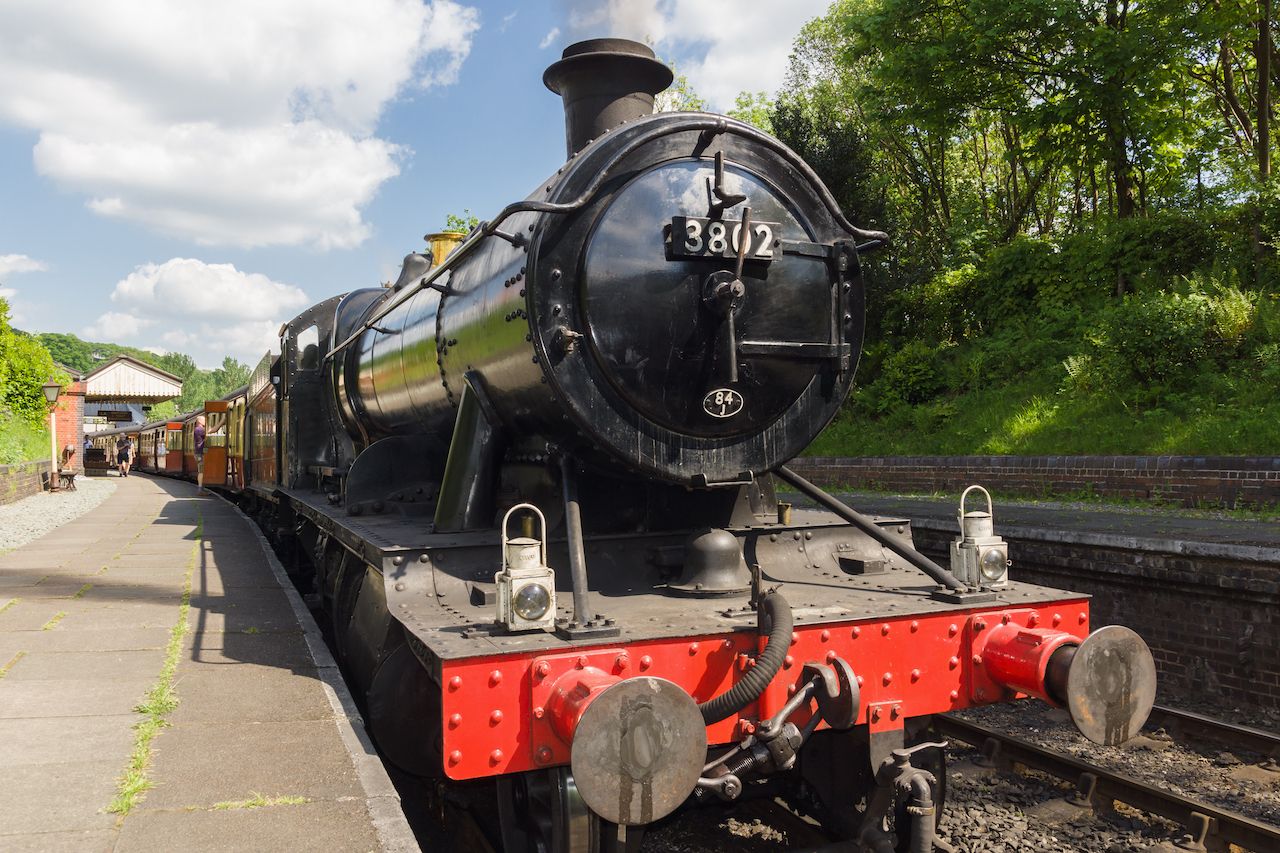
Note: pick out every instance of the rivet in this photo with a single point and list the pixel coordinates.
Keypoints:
(622, 662)
(895, 712)
(954, 662)
(542, 669)
(808, 534)
(955, 694)
(455, 756)
(977, 660)
(646, 662)
(788, 661)
(884, 629)
(952, 629)
(455, 721)
(397, 561)
(824, 636)
(915, 626)
(856, 632)
(859, 680)
(1033, 620)
(495, 717)
(543, 755)
(831, 656)
(495, 756)
(915, 675)
(425, 558)
(399, 584)
(728, 644)
(887, 677)
(796, 535)
(1004, 618)
(455, 683)
(555, 275)
(875, 714)
(978, 625)
(1082, 618)
(693, 648)
(791, 690)
(538, 712)
(1057, 619)
(495, 677)
(795, 638)
(582, 662)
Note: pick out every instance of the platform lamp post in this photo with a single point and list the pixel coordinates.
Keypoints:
(51, 392)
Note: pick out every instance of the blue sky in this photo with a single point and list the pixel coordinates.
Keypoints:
(185, 176)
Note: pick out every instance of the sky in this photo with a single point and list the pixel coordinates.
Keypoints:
(187, 176)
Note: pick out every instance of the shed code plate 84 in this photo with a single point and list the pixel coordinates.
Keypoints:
(695, 237)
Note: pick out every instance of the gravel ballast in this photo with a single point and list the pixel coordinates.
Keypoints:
(33, 517)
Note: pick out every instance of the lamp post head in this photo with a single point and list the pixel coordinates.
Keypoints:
(51, 392)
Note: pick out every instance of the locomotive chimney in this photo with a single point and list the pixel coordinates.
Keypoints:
(604, 82)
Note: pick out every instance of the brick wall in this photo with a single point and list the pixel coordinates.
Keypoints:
(70, 423)
(21, 480)
(1229, 481)
(1213, 623)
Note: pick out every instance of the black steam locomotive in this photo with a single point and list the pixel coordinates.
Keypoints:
(533, 484)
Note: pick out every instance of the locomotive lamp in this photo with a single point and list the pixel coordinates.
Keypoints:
(526, 585)
(978, 556)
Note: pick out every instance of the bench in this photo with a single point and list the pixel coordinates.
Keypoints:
(67, 480)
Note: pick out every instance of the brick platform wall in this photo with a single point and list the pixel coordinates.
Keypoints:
(70, 422)
(1228, 481)
(21, 480)
(1213, 624)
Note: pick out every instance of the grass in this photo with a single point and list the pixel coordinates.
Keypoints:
(4, 670)
(160, 701)
(10, 603)
(83, 591)
(258, 801)
(53, 621)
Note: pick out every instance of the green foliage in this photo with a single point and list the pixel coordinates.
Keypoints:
(84, 356)
(463, 223)
(754, 108)
(25, 366)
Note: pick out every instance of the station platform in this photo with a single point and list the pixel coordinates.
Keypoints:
(1167, 531)
(162, 687)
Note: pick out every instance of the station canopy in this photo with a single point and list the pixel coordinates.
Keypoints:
(123, 389)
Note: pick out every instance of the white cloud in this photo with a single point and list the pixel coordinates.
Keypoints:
(206, 310)
(235, 123)
(115, 326)
(549, 38)
(13, 264)
(506, 20)
(732, 45)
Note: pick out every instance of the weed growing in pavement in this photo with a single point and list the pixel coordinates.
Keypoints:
(10, 603)
(4, 670)
(84, 589)
(160, 701)
(258, 801)
(53, 622)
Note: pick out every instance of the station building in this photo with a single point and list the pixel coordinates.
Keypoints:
(122, 391)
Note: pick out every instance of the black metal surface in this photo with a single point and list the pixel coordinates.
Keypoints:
(471, 472)
(604, 83)
(866, 525)
(1231, 827)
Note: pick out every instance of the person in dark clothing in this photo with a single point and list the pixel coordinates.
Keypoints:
(198, 444)
(124, 455)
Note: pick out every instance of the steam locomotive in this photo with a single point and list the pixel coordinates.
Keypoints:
(535, 486)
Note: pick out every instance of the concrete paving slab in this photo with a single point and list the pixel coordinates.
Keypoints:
(11, 582)
(90, 841)
(317, 826)
(71, 698)
(287, 651)
(29, 614)
(204, 764)
(43, 665)
(58, 797)
(236, 692)
(62, 740)
(94, 616)
(98, 639)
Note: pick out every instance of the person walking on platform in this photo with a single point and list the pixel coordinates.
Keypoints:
(198, 437)
(124, 455)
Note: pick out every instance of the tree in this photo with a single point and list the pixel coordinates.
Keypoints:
(754, 109)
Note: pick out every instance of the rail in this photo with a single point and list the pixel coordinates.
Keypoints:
(1228, 734)
(1227, 825)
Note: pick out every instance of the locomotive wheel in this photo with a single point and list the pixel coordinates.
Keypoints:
(542, 812)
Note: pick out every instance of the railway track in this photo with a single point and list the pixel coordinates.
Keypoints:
(1184, 724)
(1096, 783)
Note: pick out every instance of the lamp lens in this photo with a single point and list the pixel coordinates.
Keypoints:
(532, 601)
(993, 564)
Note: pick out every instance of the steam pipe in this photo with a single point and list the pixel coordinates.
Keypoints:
(573, 532)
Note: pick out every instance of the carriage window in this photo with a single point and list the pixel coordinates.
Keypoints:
(307, 346)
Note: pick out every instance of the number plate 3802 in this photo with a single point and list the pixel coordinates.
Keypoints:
(695, 237)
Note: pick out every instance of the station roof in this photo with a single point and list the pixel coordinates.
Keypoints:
(126, 379)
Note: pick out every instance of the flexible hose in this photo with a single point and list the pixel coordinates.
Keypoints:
(751, 685)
